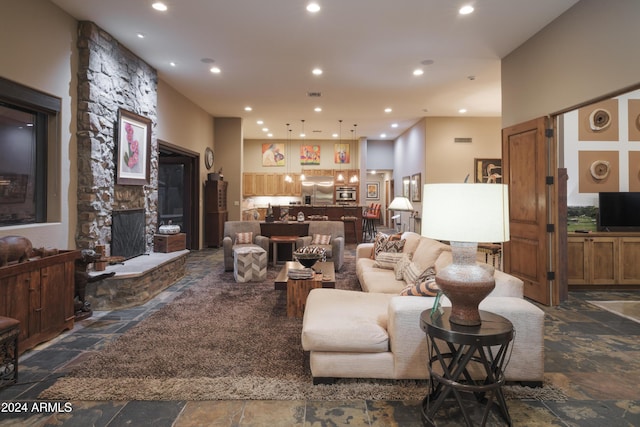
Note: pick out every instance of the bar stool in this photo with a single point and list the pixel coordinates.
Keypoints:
(369, 217)
(9, 332)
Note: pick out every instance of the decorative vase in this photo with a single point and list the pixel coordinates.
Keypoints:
(465, 283)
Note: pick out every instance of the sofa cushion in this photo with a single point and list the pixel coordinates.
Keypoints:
(345, 321)
(244, 238)
(388, 260)
(382, 281)
(427, 252)
(411, 240)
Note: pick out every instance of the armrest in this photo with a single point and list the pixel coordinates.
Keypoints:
(262, 241)
(363, 250)
(303, 241)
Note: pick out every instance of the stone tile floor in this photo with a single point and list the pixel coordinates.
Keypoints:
(592, 354)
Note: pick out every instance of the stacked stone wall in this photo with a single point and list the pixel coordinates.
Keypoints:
(110, 77)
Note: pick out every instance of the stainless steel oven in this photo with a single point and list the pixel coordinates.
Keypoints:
(345, 194)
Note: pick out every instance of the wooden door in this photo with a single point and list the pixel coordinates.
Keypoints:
(526, 165)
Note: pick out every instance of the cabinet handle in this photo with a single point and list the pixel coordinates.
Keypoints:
(38, 310)
(32, 289)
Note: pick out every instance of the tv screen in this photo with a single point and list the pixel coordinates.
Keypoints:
(618, 210)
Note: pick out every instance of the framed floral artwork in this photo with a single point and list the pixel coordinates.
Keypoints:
(133, 149)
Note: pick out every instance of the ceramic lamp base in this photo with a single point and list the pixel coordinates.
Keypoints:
(465, 283)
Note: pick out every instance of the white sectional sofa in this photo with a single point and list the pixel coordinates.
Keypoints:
(377, 334)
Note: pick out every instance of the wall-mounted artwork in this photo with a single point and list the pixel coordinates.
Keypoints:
(598, 171)
(373, 190)
(134, 149)
(599, 122)
(341, 153)
(273, 155)
(488, 170)
(406, 187)
(309, 154)
(634, 119)
(415, 187)
(634, 170)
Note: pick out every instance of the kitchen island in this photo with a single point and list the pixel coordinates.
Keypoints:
(351, 215)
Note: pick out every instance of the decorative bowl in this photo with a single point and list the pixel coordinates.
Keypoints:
(308, 260)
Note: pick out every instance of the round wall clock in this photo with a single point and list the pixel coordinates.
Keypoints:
(208, 158)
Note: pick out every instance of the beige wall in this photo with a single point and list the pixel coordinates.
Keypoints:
(38, 50)
(448, 161)
(229, 153)
(589, 51)
(182, 123)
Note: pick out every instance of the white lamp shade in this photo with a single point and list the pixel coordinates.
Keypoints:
(400, 203)
(466, 212)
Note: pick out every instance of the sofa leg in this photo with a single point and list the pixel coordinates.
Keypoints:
(323, 380)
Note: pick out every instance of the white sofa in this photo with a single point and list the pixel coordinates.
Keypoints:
(377, 334)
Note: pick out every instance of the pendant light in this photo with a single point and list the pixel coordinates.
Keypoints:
(354, 177)
(340, 177)
(302, 177)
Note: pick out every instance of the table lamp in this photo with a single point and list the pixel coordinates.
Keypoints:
(400, 203)
(465, 214)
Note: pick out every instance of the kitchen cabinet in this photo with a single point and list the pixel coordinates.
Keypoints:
(603, 259)
(39, 294)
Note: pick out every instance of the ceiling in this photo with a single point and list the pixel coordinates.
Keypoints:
(367, 49)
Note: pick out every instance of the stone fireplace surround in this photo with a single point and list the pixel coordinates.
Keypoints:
(111, 77)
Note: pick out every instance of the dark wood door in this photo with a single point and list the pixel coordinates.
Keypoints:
(525, 167)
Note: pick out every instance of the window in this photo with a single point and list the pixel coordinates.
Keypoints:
(26, 120)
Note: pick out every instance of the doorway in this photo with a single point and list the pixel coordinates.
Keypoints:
(178, 191)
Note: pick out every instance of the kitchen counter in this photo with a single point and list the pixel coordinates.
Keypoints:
(350, 214)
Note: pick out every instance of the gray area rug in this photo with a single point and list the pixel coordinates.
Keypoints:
(224, 340)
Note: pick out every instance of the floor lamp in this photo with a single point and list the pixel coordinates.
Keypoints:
(465, 214)
(401, 204)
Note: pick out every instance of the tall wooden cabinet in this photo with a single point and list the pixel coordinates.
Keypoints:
(39, 294)
(607, 258)
(215, 212)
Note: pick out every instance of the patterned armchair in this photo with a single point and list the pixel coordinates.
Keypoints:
(335, 248)
(231, 229)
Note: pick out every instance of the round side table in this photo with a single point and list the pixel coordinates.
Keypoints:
(455, 352)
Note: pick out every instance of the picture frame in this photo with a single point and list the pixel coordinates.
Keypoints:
(273, 155)
(488, 171)
(309, 154)
(373, 190)
(415, 187)
(406, 187)
(133, 149)
(341, 153)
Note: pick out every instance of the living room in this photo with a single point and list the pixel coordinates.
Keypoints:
(563, 50)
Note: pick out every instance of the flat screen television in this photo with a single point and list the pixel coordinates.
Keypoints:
(619, 211)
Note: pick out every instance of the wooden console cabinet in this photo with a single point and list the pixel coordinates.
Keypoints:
(215, 212)
(607, 258)
(39, 294)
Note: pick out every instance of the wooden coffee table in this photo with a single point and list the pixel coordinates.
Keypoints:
(298, 290)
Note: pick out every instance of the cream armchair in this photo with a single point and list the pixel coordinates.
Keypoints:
(231, 228)
(335, 248)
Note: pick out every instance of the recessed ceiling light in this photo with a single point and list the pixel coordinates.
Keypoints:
(418, 72)
(317, 109)
(317, 71)
(158, 5)
(270, 135)
(215, 70)
(140, 35)
(394, 125)
(383, 135)
(465, 10)
(260, 122)
(173, 64)
(334, 135)
(247, 108)
(313, 7)
(388, 110)
(462, 110)
(265, 129)
(302, 135)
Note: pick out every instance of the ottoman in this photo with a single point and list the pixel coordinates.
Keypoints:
(9, 331)
(249, 264)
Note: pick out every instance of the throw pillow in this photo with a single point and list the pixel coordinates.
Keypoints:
(244, 238)
(424, 288)
(428, 251)
(388, 260)
(399, 267)
(413, 273)
(321, 239)
(379, 243)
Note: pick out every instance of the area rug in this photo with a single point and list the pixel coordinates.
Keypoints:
(627, 309)
(224, 340)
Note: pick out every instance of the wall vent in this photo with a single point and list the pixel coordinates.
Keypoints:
(314, 94)
(463, 140)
